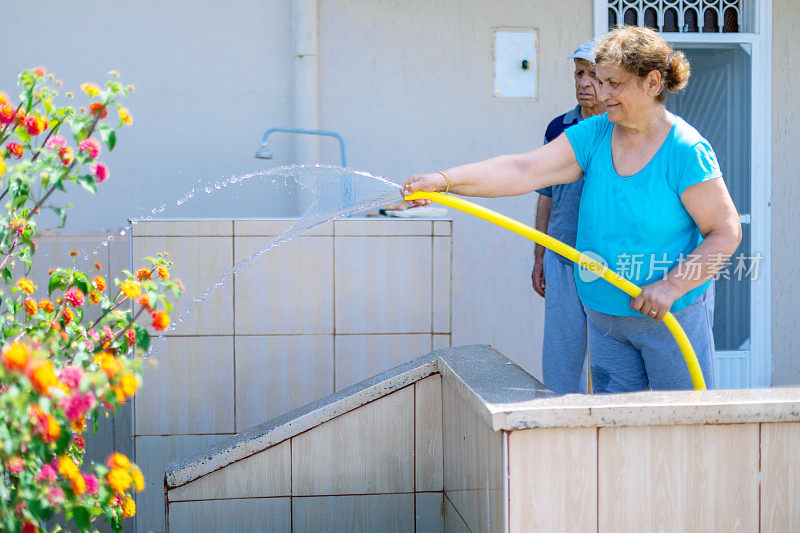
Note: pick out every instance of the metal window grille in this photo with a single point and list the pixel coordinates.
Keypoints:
(682, 16)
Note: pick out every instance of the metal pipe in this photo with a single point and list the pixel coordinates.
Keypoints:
(264, 153)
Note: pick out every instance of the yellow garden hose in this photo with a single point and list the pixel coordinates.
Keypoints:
(573, 255)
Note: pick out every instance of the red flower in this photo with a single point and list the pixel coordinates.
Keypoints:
(131, 336)
(160, 320)
(6, 114)
(20, 118)
(35, 124)
(90, 147)
(100, 172)
(14, 149)
(98, 109)
(65, 155)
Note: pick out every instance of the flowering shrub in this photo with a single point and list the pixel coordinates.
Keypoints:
(70, 351)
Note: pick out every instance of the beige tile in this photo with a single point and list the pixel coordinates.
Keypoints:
(274, 228)
(442, 228)
(383, 285)
(553, 479)
(678, 478)
(377, 512)
(453, 523)
(231, 516)
(184, 228)
(441, 341)
(382, 227)
(780, 484)
(473, 464)
(275, 374)
(368, 450)
(442, 286)
(264, 474)
(287, 290)
(190, 391)
(200, 263)
(428, 433)
(430, 512)
(359, 357)
(153, 454)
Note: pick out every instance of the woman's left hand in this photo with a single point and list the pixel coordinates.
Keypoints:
(656, 299)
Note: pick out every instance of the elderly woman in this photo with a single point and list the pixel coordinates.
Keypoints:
(653, 198)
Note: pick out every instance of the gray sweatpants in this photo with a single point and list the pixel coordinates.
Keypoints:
(635, 353)
(564, 346)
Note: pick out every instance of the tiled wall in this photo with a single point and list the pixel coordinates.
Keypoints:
(734, 477)
(339, 304)
(376, 468)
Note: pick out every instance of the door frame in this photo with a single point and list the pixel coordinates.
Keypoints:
(759, 47)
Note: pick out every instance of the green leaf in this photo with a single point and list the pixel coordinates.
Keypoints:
(81, 517)
(88, 183)
(58, 280)
(6, 274)
(81, 281)
(142, 339)
(108, 136)
(62, 214)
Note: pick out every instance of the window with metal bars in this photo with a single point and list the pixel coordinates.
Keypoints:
(680, 16)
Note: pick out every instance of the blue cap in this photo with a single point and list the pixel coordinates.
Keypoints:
(585, 51)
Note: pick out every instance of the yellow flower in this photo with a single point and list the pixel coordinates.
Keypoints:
(130, 289)
(91, 89)
(43, 376)
(138, 480)
(2, 166)
(108, 363)
(128, 384)
(118, 479)
(78, 484)
(26, 285)
(67, 467)
(128, 507)
(125, 115)
(16, 356)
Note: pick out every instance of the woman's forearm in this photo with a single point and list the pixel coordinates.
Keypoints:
(705, 261)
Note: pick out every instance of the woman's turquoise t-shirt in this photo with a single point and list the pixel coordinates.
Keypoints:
(637, 224)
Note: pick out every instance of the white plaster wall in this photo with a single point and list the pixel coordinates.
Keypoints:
(409, 85)
(785, 193)
(210, 78)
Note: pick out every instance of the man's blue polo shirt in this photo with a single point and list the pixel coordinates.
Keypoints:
(566, 198)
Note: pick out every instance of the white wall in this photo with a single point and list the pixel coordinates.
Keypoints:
(409, 85)
(210, 78)
(785, 193)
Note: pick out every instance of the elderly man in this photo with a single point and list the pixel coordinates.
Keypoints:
(564, 349)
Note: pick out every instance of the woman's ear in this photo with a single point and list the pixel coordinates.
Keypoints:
(653, 83)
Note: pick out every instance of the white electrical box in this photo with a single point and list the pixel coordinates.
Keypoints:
(515, 63)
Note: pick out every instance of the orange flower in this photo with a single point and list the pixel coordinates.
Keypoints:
(78, 484)
(91, 89)
(98, 109)
(128, 507)
(16, 356)
(125, 116)
(3, 98)
(160, 320)
(119, 394)
(119, 479)
(68, 316)
(6, 114)
(130, 289)
(128, 384)
(35, 124)
(46, 305)
(163, 273)
(42, 375)
(144, 301)
(118, 460)
(67, 467)
(108, 363)
(94, 297)
(143, 274)
(78, 426)
(30, 306)
(40, 71)
(99, 283)
(138, 480)
(26, 285)
(65, 155)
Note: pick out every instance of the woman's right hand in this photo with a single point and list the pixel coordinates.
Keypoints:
(434, 182)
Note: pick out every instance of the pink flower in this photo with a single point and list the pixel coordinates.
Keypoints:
(55, 142)
(100, 172)
(55, 495)
(92, 333)
(74, 297)
(107, 333)
(131, 336)
(90, 147)
(47, 473)
(15, 464)
(75, 406)
(91, 483)
(71, 376)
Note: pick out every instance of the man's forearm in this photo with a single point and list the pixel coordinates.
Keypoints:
(543, 208)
